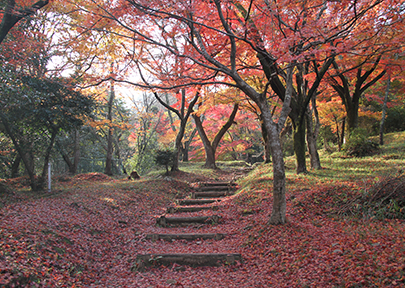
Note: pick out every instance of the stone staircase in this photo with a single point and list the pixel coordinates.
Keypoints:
(206, 193)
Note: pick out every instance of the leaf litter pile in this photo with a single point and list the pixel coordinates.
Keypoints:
(88, 232)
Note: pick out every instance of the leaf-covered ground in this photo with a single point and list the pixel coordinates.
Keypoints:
(88, 231)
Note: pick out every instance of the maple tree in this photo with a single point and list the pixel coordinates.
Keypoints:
(351, 100)
(12, 12)
(332, 115)
(210, 147)
(354, 73)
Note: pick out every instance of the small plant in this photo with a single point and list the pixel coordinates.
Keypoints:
(385, 200)
(359, 145)
(165, 158)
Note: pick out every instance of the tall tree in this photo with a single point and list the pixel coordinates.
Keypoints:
(110, 148)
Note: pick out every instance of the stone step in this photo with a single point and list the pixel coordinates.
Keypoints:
(190, 209)
(215, 188)
(144, 261)
(165, 221)
(227, 184)
(186, 236)
(205, 195)
(189, 202)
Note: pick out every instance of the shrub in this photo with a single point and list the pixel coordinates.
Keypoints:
(384, 200)
(359, 145)
(165, 158)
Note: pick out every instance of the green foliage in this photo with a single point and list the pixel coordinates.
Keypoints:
(359, 145)
(142, 163)
(395, 119)
(34, 111)
(165, 158)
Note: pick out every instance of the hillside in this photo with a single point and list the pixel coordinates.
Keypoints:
(345, 228)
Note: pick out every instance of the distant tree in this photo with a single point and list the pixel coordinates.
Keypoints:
(183, 112)
(149, 122)
(210, 147)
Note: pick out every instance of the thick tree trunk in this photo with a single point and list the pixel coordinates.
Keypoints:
(352, 117)
(278, 214)
(69, 163)
(185, 149)
(311, 141)
(24, 153)
(72, 166)
(209, 153)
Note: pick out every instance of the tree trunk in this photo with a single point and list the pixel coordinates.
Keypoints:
(210, 148)
(341, 140)
(311, 141)
(118, 154)
(179, 137)
(278, 214)
(209, 151)
(15, 166)
(76, 153)
(384, 110)
(72, 166)
(352, 117)
(108, 161)
(300, 147)
(266, 144)
(24, 153)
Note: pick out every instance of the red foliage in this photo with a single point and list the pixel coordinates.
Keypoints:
(91, 235)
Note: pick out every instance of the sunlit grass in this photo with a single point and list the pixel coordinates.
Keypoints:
(336, 169)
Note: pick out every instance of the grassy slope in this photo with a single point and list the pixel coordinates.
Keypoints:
(88, 231)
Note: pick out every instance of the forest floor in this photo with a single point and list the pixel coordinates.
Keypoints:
(89, 229)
